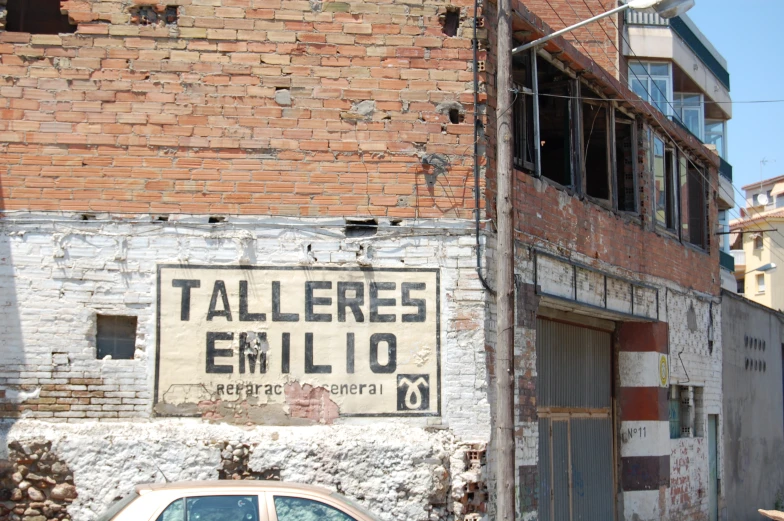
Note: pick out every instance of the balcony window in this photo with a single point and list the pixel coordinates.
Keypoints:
(689, 110)
(652, 82)
(715, 132)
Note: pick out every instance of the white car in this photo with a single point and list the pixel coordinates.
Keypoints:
(234, 501)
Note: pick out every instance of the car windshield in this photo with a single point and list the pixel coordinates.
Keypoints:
(355, 505)
(117, 506)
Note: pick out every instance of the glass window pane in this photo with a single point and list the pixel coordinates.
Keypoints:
(691, 118)
(300, 509)
(659, 69)
(638, 88)
(638, 69)
(714, 127)
(691, 100)
(659, 95)
(222, 508)
(174, 512)
(659, 181)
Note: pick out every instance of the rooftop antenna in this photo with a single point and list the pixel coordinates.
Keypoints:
(764, 161)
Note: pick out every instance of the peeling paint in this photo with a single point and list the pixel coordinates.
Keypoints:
(312, 403)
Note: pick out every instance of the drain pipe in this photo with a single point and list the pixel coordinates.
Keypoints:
(477, 127)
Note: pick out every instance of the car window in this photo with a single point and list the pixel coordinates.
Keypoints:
(301, 509)
(212, 508)
(117, 507)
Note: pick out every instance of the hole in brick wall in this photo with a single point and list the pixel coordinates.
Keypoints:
(88, 217)
(215, 219)
(116, 337)
(154, 15)
(395, 222)
(361, 227)
(161, 218)
(454, 116)
(451, 21)
(37, 17)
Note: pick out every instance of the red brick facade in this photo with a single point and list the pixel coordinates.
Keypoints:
(247, 107)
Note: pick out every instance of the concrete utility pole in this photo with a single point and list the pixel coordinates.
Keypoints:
(504, 442)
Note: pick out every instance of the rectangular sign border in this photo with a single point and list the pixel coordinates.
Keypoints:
(160, 267)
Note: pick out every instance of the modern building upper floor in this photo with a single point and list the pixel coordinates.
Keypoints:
(672, 65)
(758, 243)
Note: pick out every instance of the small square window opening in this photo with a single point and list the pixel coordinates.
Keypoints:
(116, 337)
(760, 283)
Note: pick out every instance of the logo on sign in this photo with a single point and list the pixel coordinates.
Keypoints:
(413, 392)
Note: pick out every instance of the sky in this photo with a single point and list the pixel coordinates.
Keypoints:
(748, 34)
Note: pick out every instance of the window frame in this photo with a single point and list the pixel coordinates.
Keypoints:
(724, 148)
(632, 122)
(649, 79)
(679, 107)
(761, 288)
(608, 108)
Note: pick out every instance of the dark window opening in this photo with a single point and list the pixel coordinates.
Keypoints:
(37, 17)
(556, 89)
(523, 113)
(670, 196)
(697, 207)
(116, 337)
(451, 21)
(741, 286)
(625, 163)
(361, 227)
(595, 142)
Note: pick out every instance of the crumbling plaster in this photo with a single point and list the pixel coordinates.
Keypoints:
(398, 472)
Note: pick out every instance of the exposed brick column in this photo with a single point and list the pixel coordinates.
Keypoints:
(642, 399)
(526, 307)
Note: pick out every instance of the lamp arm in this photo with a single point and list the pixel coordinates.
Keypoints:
(550, 36)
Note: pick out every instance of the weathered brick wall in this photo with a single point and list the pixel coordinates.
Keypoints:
(567, 223)
(240, 106)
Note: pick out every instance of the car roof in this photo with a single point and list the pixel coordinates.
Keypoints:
(257, 485)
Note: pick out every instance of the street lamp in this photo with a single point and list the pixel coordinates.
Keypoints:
(765, 267)
(664, 8)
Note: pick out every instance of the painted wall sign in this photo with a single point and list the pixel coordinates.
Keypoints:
(370, 338)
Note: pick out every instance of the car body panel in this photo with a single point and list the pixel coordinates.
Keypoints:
(154, 498)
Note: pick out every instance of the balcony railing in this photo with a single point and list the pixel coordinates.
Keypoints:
(727, 261)
(693, 41)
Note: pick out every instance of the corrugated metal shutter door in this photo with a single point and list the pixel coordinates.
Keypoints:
(575, 427)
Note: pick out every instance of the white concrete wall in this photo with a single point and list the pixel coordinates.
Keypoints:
(57, 274)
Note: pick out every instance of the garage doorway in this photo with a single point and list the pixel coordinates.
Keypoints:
(574, 401)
